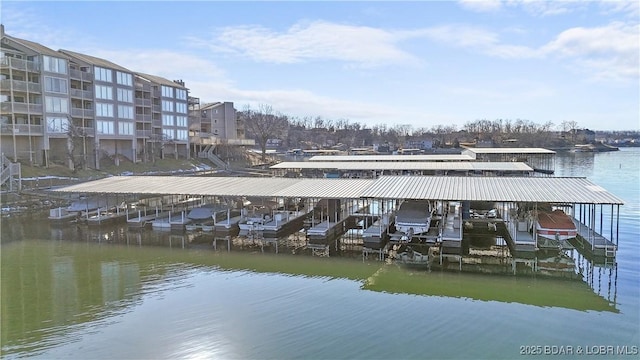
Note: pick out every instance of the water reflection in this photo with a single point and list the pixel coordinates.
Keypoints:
(575, 164)
(85, 275)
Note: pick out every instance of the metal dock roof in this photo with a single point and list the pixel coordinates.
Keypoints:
(484, 188)
(406, 165)
(435, 157)
(508, 189)
(224, 186)
(510, 150)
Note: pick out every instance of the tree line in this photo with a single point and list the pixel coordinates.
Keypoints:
(265, 123)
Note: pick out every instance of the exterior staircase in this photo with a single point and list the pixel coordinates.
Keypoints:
(10, 174)
(208, 153)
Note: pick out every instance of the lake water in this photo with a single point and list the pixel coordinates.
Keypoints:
(114, 294)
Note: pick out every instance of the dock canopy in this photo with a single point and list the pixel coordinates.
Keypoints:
(489, 188)
(407, 165)
(224, 186)
(507, 189)
(434, 157)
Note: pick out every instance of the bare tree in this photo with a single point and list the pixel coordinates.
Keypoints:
(75, 140)
(264, 124)
(570, 126)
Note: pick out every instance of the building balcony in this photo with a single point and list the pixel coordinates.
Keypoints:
(143, 102)
(202, 138)
(21, 108)
(86, 131)
(143, 133)
(80, 75)
(7, 62)
(22, 86)
(143, 118)
(22, 129)
(156, 108)
(81, 94)
(82, 113)
(143, 86)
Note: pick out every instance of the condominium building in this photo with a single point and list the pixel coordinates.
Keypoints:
(26, 70)
(215, 124)
(75, 109)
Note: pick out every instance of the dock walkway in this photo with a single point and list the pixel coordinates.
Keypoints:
(588, 239)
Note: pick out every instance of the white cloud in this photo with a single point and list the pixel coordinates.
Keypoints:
(317, 40)
(481, 5)
(165, 63)
(478, 39)
(24, 23)
(631, 9)
(609, 52)
(539, 8)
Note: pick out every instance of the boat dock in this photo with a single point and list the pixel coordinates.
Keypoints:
(284, 223)
(589, 240)
(227, 227)
(338, 205)
(109, 215)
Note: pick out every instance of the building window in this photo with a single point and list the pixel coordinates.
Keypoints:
(105, 110)
(56, 65)
(168, 134)
(181, 94)
(167, 105)
(56, 85)
(181, 135)
(181, 121)
(181, 108)
(56, 105)
(103, 74)
(57, 125)
(125, 128)
(125, 112)
(167, 91)
(104, 92)
(104, 127)
(124, 78)
(125, 95)
(168, 120)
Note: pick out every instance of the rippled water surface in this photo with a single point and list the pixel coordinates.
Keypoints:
(74, 293)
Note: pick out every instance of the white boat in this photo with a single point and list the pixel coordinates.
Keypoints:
(254, 219)
(80, 209)
(555, 225)
(204, 217)
(414, 217)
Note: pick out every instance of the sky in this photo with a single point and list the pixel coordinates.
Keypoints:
(420, 63)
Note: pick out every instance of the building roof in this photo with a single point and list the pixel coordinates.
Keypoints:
(507, 189)
(435, 157)
(510, 150)
(208, 106)
(94, 60)
(159, 80)
(38, 48)
(406, 165)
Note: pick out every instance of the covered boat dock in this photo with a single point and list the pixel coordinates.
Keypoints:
(595, 210)
(541, 160)
(375, 169)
